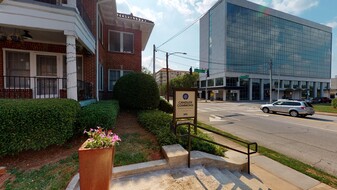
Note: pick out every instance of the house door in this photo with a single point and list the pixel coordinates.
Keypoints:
(46, 76)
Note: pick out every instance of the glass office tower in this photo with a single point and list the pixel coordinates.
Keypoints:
(240, 41)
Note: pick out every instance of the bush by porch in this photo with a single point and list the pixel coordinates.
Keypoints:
(35, 124)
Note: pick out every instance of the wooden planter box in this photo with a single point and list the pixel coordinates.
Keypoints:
(95, 167)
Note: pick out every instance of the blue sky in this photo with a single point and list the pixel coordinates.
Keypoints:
(172, 16)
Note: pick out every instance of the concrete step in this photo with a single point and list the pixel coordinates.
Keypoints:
(207, 179)
(250, 181)
(224, 180)
(132, 169)
(189, 182)
(236, 180)
(152, 181)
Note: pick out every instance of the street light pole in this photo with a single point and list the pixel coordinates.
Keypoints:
(167, 74)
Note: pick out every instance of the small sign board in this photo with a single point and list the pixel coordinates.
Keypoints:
(199, 70)
(185, 103)
(215, 91)
(244, 77)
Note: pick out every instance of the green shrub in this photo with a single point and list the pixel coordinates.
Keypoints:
(334, 103)
(165, 106)
(102, 113)
(35, 124)
(137, 91)
(157, 122)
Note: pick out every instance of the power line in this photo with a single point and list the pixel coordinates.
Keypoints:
(212, 62)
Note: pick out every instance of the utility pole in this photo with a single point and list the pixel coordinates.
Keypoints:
(167, 79)
(271, 80)
(154, 62)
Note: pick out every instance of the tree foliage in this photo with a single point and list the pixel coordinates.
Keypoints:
(185, 81)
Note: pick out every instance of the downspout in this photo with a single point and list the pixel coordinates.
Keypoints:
(97, 52)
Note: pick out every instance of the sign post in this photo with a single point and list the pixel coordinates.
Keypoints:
(185, 105)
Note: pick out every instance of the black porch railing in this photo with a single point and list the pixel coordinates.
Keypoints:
(190, 135)
(15, 87)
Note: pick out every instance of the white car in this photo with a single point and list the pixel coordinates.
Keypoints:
(292, 107)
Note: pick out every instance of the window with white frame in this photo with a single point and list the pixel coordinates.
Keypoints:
(114, 75)
(100, 77)
(121, 42)
(17, 69)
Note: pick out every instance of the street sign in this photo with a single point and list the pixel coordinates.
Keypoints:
(199, 70)
(244, 77)
(215, 91)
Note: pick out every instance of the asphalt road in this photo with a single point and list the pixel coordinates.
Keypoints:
(312, 140)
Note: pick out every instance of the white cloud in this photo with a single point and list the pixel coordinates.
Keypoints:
(295, 7)
(182, 6)
(204, 5)
(332, 24)
(126, 7)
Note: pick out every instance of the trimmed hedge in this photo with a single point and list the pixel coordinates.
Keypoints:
(157, 122)
(102, 113)
(165, 106)
(35, 124)
(334, 103)
(137, 91)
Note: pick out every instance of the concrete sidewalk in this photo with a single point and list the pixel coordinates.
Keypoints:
(274, 174)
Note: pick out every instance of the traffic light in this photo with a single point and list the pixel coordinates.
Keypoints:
(190, 70)
(207, 72)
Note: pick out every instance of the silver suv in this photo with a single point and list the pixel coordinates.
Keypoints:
(292, 107)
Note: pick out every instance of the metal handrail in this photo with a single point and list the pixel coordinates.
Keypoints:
(189, 135)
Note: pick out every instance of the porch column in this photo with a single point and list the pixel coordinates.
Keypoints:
(71, 65)
(261, 89)
(250, 92)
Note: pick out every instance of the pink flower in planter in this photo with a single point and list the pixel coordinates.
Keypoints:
(98, 138)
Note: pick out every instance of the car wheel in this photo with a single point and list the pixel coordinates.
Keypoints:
(293, 113)
(265, 110)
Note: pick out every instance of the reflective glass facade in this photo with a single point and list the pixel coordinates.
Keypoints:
(254, 38)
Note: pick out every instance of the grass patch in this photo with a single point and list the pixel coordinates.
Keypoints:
(133, 149)
(324, 107)
(52, 176)
(287, 161)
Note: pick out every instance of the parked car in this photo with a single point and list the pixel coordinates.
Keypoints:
(292, 107)
(325, 100)
(321, 100)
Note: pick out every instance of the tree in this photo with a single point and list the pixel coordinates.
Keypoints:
(146, 71)
(185, 81)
